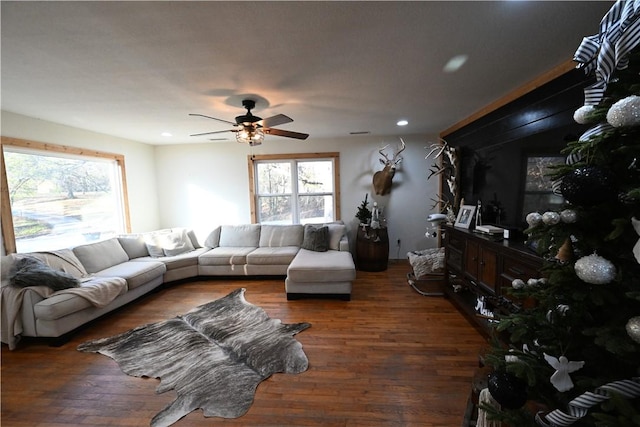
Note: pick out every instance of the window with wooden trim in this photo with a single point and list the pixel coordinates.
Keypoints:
(59, 197)
(295, 188)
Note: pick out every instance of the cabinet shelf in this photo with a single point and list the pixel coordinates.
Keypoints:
(479, 266)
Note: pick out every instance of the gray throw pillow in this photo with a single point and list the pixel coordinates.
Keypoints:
(30, 271)
(316, 238)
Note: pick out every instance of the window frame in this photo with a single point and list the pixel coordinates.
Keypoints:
(252, 160)
(6, 217)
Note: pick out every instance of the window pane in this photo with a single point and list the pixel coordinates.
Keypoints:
(275, 210)
(59, 202)
(315, 177)
(274, 178)
(316, 209)
(538, 172)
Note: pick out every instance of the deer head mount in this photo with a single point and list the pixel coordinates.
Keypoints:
(383, 178)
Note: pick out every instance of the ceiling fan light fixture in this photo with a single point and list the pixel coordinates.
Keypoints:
(250, 136)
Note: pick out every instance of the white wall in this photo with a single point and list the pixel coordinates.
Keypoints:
(204, 185)
(138, 157)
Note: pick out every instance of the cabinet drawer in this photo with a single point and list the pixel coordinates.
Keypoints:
(513, 268)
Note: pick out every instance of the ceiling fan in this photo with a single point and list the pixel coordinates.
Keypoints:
(251, 129)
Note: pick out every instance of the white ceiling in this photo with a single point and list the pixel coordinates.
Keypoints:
(137, 69)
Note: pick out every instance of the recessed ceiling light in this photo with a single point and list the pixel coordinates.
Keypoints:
(455, 63)
(166, 134)
(402, 122)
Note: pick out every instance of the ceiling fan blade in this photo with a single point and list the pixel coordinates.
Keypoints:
(211, 133)
(276, 120)
(212, 118)
(286, 133)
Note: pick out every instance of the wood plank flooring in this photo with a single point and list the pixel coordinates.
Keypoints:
(388, 357)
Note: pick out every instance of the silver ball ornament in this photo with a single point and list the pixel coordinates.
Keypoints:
(581, 115)
(533, 219)
(568, 216)
(531, 283)
(633, 328)
(595, 270)
(625, 112)
(551, 218)
(517, 284)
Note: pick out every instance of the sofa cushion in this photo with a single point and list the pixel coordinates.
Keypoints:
(336, 232)
(185, 259)
(176, 242)
(272, 255)
(154, 241)
(134, 245)
(213, 239)
(136, 273)
(225, 255)
(281, 235)
(329, 266)
(100, 255)
(247, 235)
(192, 237)
(316, 238)
(62, 260)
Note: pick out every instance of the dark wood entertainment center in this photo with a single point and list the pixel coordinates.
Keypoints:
(481, 266)
(494, 146)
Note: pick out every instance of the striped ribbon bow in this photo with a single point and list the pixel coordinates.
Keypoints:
(619, 33)
(579, 407)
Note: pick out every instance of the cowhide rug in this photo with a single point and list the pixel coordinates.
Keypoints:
(214, 356)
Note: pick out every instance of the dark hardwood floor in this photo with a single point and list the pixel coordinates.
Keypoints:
(388, 357)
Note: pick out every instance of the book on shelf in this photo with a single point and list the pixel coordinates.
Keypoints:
(489, 229)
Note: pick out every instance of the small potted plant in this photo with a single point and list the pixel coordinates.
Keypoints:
(364, 214)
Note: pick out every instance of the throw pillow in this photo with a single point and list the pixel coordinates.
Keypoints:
(153, 241)
(336, 231)
(176, 242)
(316, 238)
(30, 271)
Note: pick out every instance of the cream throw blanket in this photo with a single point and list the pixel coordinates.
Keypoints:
(99, 291)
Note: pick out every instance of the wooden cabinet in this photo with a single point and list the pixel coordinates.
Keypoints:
(372, 249)
(478, 271)
(481, 264)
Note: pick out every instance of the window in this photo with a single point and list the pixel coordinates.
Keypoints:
(538, 193)
(60, 196)
(294, 189)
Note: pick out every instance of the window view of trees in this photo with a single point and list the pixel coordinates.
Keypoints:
(295, 191)
(60, 201)
(538, 194)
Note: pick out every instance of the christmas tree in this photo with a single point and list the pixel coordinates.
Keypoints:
(571, 354)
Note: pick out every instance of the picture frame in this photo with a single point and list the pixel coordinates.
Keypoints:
(465, 216)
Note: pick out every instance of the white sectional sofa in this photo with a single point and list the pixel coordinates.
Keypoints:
(116, 271)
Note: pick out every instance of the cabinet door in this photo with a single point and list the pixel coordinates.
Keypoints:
(488, 268)
(471, 257)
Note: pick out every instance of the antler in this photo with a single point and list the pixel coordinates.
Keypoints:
(438, 148)
(398, 152)
(381, 151)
